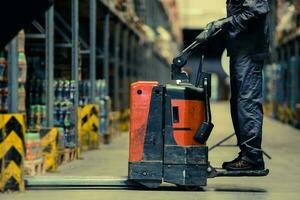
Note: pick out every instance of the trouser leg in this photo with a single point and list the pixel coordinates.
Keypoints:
(248, 117)
(233, 102)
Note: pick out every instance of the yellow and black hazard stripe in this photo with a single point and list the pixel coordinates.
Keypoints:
(49, 140)
(89, 126)
(12, 151)
(83, 127)
(94, 127)
(94, 118)
(84, 117)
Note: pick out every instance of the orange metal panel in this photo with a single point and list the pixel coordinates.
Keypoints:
(191, 115)
(140, 99)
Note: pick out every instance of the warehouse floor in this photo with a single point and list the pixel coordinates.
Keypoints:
(280, 141)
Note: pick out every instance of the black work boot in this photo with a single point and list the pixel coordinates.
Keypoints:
(242, 164)
(233, 161)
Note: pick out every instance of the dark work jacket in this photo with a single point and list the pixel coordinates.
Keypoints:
(248, 30)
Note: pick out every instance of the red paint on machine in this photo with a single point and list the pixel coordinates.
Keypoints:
(191, 114)
(140, 99)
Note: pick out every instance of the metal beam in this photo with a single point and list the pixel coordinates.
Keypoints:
(50, 66)
(63, 34)
(38, 26)
(93, 44)
(117, 66)
(69, 28)
(35, 36)
(106, 51)
(75, 59)
(13, 77)
(125, 67)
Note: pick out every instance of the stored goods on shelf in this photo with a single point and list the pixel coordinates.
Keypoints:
(294, 99)
(64, 110)
(37, 95)
(37, 117)
(3, 67)
(33, 146)
(22, 67)
(3, 97)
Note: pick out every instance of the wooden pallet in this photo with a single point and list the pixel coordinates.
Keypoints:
(60, 157)
(34, 167)
(70, 154)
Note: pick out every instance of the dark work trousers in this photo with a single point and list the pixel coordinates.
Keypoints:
(246, 105)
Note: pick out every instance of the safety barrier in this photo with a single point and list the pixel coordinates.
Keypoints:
(113, 126)
(12, 151)
(49, 138)
(94, 127)
(124, 120)
(89, 127)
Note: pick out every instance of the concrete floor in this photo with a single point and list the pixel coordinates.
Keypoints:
(280, 141)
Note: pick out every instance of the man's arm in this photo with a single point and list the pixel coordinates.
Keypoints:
(252, 9)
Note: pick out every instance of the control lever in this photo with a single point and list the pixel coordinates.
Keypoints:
(206, 127)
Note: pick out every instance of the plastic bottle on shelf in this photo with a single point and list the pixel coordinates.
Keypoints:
(61, 114)
(38, 117)
(66, 90)
(67, 136)
(56, 114)
(34, 116)
(67, 114)
(72, 90)
(55, 89)
(31, 121)
(60, 91)
(21, 98)
(21, 41)
(22, 67)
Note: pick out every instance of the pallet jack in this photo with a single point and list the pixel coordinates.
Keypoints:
(169, 127)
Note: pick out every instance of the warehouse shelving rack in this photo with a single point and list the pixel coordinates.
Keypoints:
(287, 49)
(113, 46)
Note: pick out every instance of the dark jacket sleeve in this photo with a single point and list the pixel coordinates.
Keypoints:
(251, 9)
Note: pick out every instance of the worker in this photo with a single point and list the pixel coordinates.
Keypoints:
(247, 41)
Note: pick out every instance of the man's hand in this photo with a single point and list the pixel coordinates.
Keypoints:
(212, 29)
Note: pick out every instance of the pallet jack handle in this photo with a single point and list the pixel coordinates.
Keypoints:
(181, 60)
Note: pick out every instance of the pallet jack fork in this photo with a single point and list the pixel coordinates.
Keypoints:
(170, 125)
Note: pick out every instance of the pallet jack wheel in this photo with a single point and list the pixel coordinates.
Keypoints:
(189, 188)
